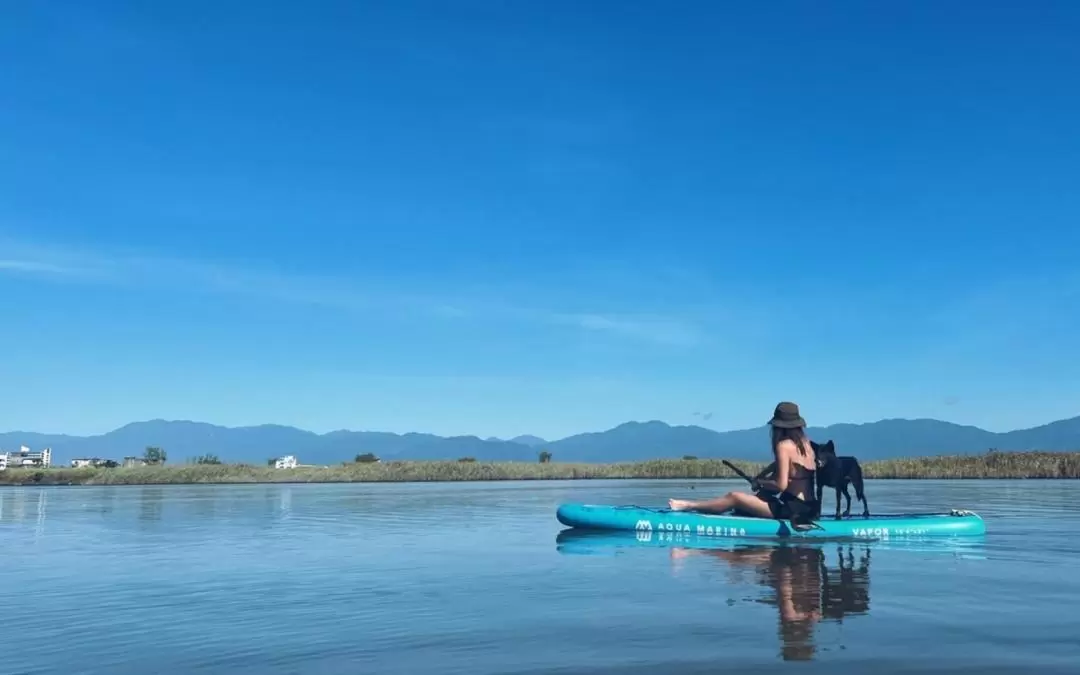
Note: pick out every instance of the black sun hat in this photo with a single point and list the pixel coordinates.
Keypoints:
(786, 416)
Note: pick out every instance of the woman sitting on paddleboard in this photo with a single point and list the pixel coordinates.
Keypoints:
(791, 495)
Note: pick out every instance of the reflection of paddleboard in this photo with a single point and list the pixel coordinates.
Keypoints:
(880, 527)
(613, 542)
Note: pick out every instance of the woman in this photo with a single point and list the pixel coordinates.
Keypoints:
(793, 487)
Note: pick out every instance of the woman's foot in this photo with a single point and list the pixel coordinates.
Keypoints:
(680, 553)
(680, 504)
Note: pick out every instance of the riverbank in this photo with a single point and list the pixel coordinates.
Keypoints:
(1003, 465)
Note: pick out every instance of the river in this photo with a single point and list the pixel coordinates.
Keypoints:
(475, 578)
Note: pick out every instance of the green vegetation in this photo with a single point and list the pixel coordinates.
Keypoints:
(989, 465)
(993, 464)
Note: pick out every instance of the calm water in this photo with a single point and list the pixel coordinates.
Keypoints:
(470, 578)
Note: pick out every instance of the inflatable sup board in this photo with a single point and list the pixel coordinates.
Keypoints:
(954, 523)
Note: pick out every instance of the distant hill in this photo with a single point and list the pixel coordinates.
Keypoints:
(182, 440)
(526, 440)
(874, 440)
(531, 441)
(632, 441)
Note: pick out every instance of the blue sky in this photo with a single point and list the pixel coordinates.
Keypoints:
(504, 218)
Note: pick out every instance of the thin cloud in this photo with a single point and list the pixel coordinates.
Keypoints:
(29, 261)
(209, 277)
(189, 275)
(33, 267)
(663, 330)
(450, 312)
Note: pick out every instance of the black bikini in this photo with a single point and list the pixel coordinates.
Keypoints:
(786, 506)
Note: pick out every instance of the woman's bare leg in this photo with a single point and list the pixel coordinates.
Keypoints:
(718, 505)
(742, 500)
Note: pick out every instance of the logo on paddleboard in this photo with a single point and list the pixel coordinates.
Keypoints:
(703, 530)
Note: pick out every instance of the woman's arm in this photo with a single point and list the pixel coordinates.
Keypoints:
(783, 469)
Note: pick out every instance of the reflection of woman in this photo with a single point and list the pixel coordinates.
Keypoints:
(800, 585)
(795, 575)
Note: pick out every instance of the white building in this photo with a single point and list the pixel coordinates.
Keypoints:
(26, 457)
(87, 461)
(3, 461)
(286, 462)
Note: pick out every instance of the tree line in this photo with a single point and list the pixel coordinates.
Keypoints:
(157, 456)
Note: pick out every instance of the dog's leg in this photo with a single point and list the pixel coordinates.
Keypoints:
(819, 489)
(847, 496)
(838, 503)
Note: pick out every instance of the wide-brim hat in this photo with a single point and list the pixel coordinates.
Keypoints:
(786, 416)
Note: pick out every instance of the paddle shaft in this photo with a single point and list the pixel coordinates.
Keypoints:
(738, 471)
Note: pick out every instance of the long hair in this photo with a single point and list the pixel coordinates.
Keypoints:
(796, 436)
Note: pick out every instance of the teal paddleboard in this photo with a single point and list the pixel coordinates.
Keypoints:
(955, 523)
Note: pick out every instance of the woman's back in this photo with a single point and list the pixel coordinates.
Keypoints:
(801, 466)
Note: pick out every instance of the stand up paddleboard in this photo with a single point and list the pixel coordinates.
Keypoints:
(955, 523)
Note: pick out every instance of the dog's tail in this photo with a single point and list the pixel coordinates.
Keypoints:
(857, 482)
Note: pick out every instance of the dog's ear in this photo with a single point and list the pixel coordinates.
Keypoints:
(830, 445)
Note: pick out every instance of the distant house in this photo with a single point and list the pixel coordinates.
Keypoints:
(134, 461)
(89, 461)
(286, 462)
(26, 457)
(3, 461)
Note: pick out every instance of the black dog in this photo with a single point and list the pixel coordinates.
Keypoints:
(838, 473)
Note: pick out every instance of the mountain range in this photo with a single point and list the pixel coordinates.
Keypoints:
(632, 441)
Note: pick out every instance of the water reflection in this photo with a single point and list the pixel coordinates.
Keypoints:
(802, 586)
(19, 505)
(807, 583)
(285, 502)
(150, 499)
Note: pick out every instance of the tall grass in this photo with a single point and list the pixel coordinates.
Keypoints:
(988, 465)
(992, 464)
(417, 471)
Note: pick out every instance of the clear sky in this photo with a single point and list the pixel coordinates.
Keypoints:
(537, 217)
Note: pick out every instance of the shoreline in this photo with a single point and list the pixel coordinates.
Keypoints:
(990, 465)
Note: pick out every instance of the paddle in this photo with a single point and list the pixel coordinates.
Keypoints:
(738, 471)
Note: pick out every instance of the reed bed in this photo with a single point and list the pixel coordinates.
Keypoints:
(988, 465)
